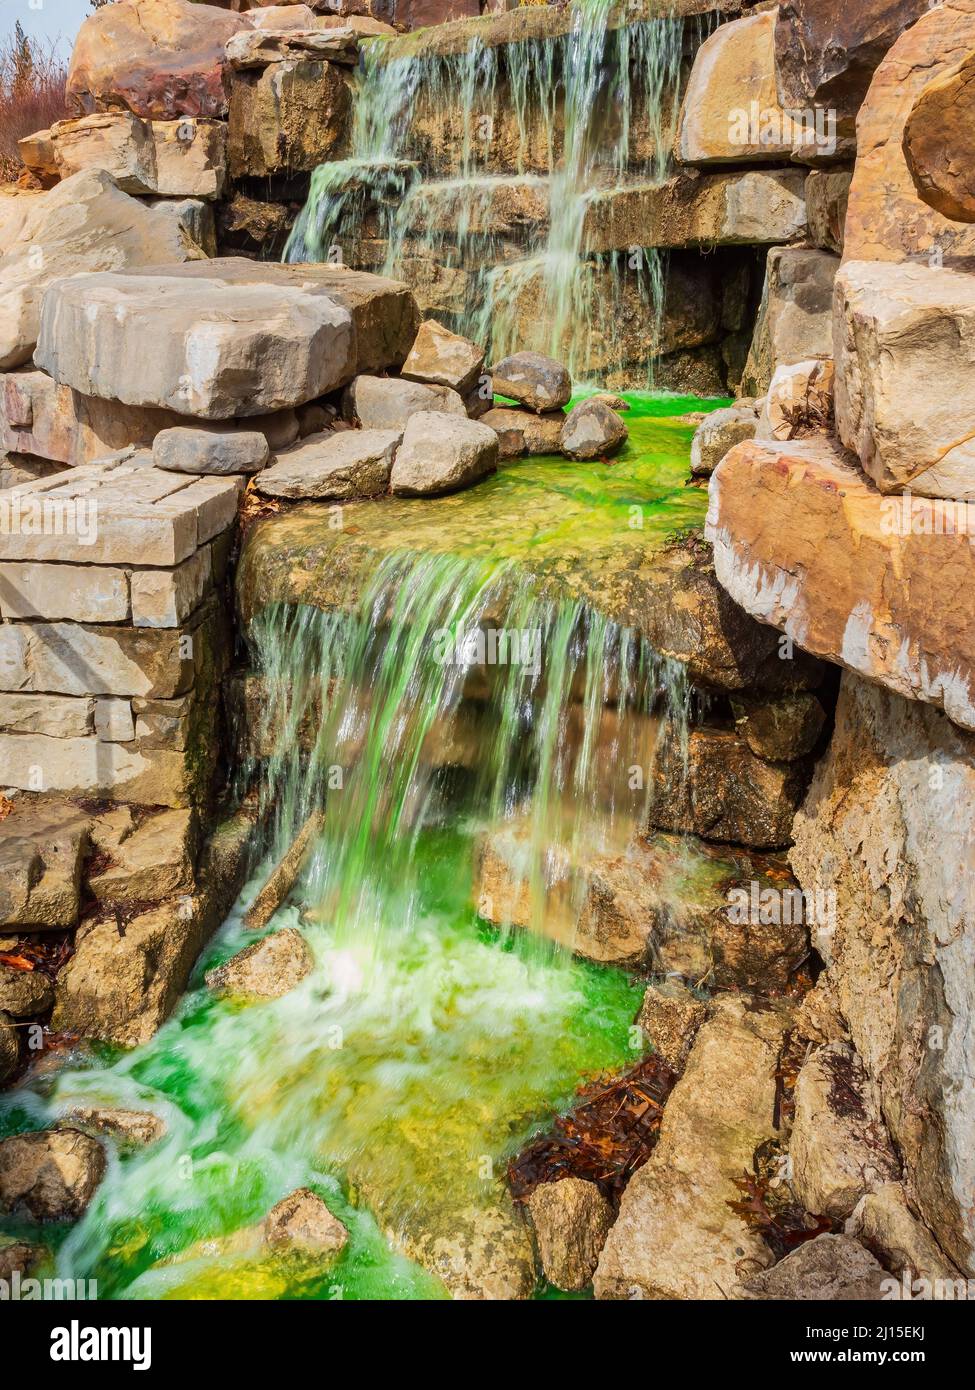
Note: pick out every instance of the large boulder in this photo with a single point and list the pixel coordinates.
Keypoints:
(532, 379)
(387, 403)
(887, 219)
(677, 1235)
(905, 400)
(592, 430)
(350, 463)
(719, 432)
(826, 54)
(288, 117)
(938, 143)
(887, 829)
(785, 519)
(158, 58)
(442, 358)
(442, 453)
(186, 158)
(51, 1174)
(86, 223)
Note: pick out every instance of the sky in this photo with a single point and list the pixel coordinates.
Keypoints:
(44, 19)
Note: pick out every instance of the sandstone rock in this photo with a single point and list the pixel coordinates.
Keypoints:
(780, 730)
(827, 195)
(722, 791)
(41, 850)
(592, 430)
(937, 143)
(883, 1222)
(203, 451)
(887, 220)
(52, 1174)
(153, 861)
(441, 453)
(784, 520)
(270, 968)
(731, 111)
(478, 1253)
(839, 1147)
(795, 319)
(217, 349)
(442, 358)
(133, 1129)
(24, 993)
(167, 597)
(302, 1222)
(355, 463)
(818, 1017)
(799, 402)
(829, 1268)
(887, 829)
(97, 595)
(292, 115)
(86, 223)
(571, 1220)
(158, 58)
(9, 1050)
(173, 159)
(283, 17)
(896, 327)
(532, 379)
(718, 432)
(525, 432)
(670, 1017)
(250, 48)
(387, 403)
(676, 1235)
(193, 216)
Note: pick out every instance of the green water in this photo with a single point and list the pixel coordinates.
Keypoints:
(425, 1046)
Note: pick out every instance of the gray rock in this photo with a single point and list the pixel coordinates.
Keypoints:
(53, 1174)
(441, 453)
(204, 451)
(349, 463)
(302, 1222)
(442, 358)
(533, 379)
(572, 1220)
(721, 431)
(24, 993)
(387, 403)
(592, 430)
(267, 970)
(830, 1267)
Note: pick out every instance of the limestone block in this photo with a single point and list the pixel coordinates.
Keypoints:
(167, 597)
(113, 720)
(79, 593)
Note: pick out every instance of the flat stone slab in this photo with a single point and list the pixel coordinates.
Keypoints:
(122, 511)
(881, 585)
(239, 339)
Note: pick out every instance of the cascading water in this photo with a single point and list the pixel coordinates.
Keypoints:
(585, 109)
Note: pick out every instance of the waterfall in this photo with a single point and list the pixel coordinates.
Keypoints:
(552, 121)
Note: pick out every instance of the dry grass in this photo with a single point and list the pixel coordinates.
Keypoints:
(32, 77)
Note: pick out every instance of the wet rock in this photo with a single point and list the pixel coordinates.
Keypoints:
(676, 1236)
(202, 451)
(719, 432)
(9, 1047)
(291, 115)
(151, 861)
(722, 791)
(17, 1257)
(833, 1268)
(799, 402)
(524, 431)
(53, 1174)
(938, 143)
(24, 993)
(534, 380)
(159, 58)
(670, 1017)
(354, 463)
(441, 453)
(887, 219)
(301, 1222)
(134, 1129)
(269, 969)
(282, 878)
(571, 1220)
(795, 319)
(42, 846)
(897, 325)
(477, 1253)
(839, 1146)
(86, 223)
(887, 829)
(827, 194)
(248, 224)
(592, 430)
(442, 358)
(784, 520)
(780, 730)
(387, 403)
(884, 1222)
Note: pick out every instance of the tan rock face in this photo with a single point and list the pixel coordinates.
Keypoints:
(41, 853)
(905, 403)
(302, 1222)
(829, 1268)
(290, 116)
(676, 1235)
(795, 319)
(571, 1220)
(158, 58)
(523, 432)
(477, 1253)
(353, 463)
(887, 220)
(799, 402)
(442, 358)
(174, 159)
(52, 1175)
(267, 970)
(441, 453)
(938, 143)
(887, 829)
(670, 1017)
(827, 195)
(24, 993)
(785, 520)
(884, 1222)
(86, 223)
